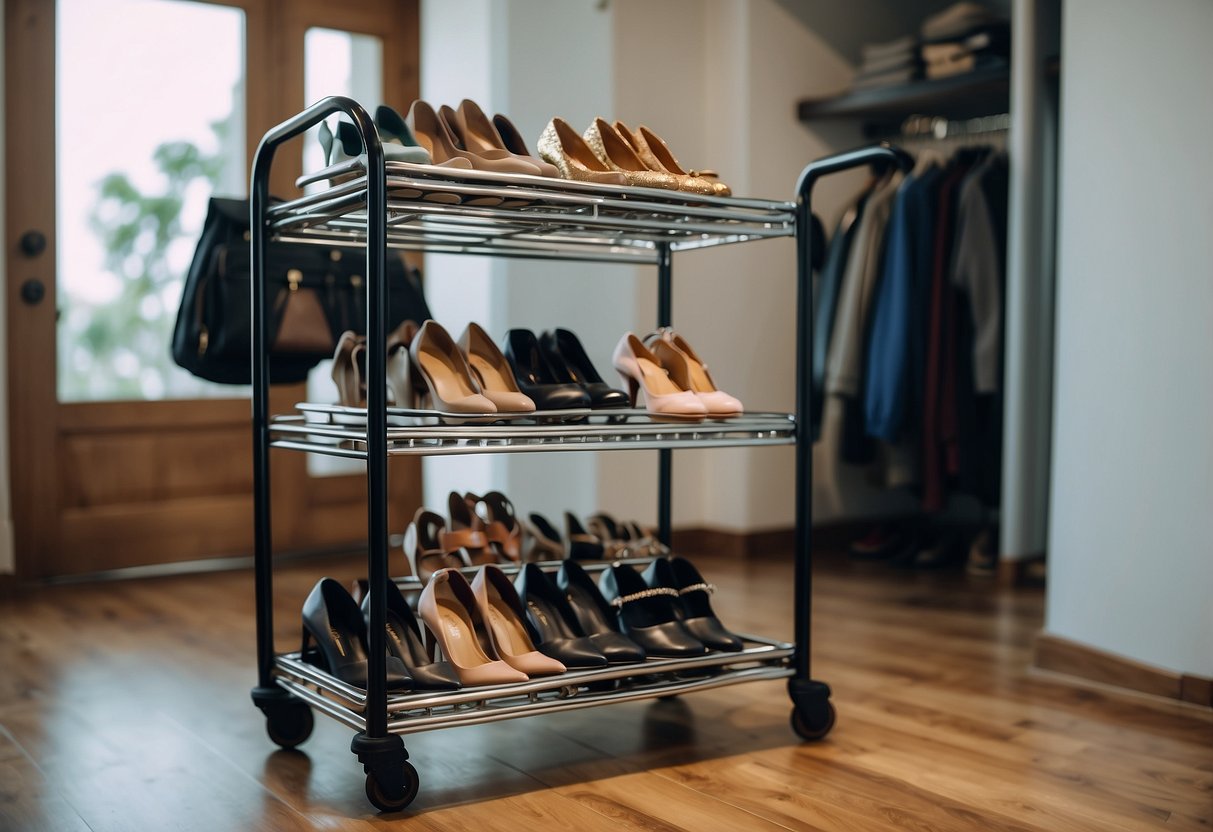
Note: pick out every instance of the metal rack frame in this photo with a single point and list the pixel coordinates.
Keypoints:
(382, 205)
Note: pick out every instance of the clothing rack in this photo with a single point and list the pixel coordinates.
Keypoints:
(563, 220)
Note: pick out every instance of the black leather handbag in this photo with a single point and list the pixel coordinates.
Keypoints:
(314, 293)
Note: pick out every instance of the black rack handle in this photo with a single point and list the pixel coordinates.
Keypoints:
(803, 587)
(376, 333)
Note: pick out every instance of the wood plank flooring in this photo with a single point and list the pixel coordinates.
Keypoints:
(124, 706)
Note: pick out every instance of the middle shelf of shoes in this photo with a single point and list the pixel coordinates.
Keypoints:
(341, 431)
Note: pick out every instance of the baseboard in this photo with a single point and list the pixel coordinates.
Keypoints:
(779, 541)
(1022, 571)
(726, 543)
(1064, 656)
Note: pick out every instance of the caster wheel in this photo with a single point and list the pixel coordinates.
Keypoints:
(816, 725)
(289, 725)
(386, 801)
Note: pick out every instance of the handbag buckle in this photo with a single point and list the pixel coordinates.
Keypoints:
(204, 339)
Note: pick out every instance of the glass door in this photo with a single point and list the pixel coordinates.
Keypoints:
(126, 116)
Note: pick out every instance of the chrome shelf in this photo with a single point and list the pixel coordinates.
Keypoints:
(412, 712)
(341, 431)
(535, 216)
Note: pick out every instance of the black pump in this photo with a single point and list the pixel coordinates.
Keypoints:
(694, 605)
(648, 616)
(551, 622)
(405, 643)
(332, 619)
(595, 616)
(537, 378)
(566, 355)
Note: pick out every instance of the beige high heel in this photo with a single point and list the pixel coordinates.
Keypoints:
(449, 608)
(655, 153)
(439, 365)
(347, 370)
(618, 155)
(505, 616)
(433, 130)
(479, 135)
(492, 372)
(640, 369)
(688, 371)
(560, 145)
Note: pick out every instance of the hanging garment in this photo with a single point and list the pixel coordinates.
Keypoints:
(977, 271)
(828, 285)
(844, 366)
(939, 330)
(892, 349)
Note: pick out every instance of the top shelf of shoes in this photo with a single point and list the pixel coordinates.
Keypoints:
(515, 215)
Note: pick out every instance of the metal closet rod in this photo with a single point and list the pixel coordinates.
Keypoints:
(938, 127)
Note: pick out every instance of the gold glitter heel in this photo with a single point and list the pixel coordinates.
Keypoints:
(655, 153)
(560, 145)
(613, 151)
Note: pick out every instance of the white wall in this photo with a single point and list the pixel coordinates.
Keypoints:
(1131, 564)
(723, 94)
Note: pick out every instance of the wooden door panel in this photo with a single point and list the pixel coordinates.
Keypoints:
(112, 469)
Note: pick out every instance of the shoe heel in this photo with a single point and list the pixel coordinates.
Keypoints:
(310, 653)
(632, 386)
(431, 644)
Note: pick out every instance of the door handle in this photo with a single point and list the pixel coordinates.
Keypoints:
(33, 243)
(33, 291)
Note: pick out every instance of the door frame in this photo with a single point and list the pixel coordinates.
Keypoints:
(55, 537)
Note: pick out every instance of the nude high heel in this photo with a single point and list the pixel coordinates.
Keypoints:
(433, 132)
(493, 372)
(560, 145)
(347, 370)
(505, 620)
(641, 370)
(479, 135)
(687, 370)
(449, 609)
(440, 365)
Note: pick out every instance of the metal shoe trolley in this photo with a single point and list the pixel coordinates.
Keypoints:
(378, 205)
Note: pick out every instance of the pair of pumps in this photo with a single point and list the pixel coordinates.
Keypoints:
(462, 139)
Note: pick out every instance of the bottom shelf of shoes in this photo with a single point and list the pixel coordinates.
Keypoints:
(412, 712)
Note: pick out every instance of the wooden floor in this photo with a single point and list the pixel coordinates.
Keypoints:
(124, 706)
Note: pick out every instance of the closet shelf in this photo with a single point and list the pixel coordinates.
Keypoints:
(341, 431)
(411, 712)
(982, 92)
(535, 217)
